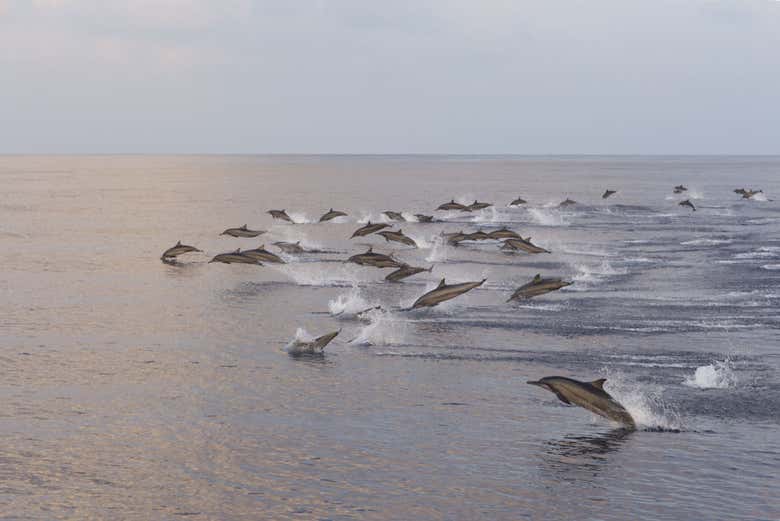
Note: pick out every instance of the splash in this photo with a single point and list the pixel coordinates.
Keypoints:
(548, 217)
(300, 218)
(717, 375)
(294, 347)
(348, 303)
(771, 267)
(705, 242)
(439, 252)
(590, 275)
(761, 197)
(383, 329)
(644, 402)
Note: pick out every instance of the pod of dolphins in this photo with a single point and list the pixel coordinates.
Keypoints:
(588, 395)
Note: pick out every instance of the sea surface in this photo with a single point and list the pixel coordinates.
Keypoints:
(134, 389)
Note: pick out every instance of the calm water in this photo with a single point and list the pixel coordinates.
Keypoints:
(132, 389)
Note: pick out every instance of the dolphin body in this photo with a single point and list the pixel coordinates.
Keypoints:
(518, 201)
(235, 257)
(423, 218)
(454, 238)
(280, 214)
(452, 205)
(687, 203)
(476, 205)
(607, 193)
(405, 271)
(368, 229)
(567, 202)
(242, 231)
(290, 247)
(538, 286)
(680, 189)
(261, 254)
(331, 214)
(476, 236)
(522, 244)
(394, 216)
(176, 250)
(444, 292)
(315, 347)
(503, 233)
(750, 193)
(398, 236)
(588, 395)
(378, 260)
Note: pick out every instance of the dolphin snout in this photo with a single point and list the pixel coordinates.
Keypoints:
(537, 383)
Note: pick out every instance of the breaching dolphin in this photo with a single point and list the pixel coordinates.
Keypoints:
(331, 214)
(405, 271)
(680, 189)
(290, 247)
(476, 205)
(567, 202)
(452, 205)
(394, 216)
(242, 231)
(235, 257)
(176, 250)
(398, 236)
(503, 233)
(368, 229)
(314, 347)
(687, 203)
(280, 214)
(262, 254)
(445, 292)
(378, 260)
(588, 395)
(522, 244)
(538, 286)
(518, 201)
(422, 218)
(607, 193)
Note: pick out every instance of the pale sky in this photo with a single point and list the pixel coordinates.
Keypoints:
(391, 76)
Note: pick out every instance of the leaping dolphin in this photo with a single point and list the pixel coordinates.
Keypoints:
(331, 214)
(315, 347)
(398, 236)
(503, 233)
(378, 260)
(262, 254)
(687, 203)
(607, 193)
(405, 271)
(280, 214)
(680, 189)
(424, 218)
(445, 292)
(242, 231)
(235, 257)
(476, 205)
(452, 205)
(368, 229)
(567, 202)
(454, 238)
(176, 250)
(538, 286)
(290, 247)
(588, 395)
(518, 201)
(394, 216)
(522, 244)
(747, 194)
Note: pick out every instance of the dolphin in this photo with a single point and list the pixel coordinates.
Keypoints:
(394, 216)
(398, 236)
(452, 205)
(424, 218)
(290, 247)
(680, 189)
(315, 347)
(607, 193)
(331, 214)
(687, 203)
(235, 257)
(378, 260)
(177, 249)
(503, 233)
(567, 202)
(522, 244)
(479, 235)
(280, 214)
(518, 201)
(242, 231)
(445, 292)
(454, 238)
(368, 229)
(740, 191)
(476, 205)
(262, 254)
(750, 193)
(538, 286)
(405, 271)
(588, 395)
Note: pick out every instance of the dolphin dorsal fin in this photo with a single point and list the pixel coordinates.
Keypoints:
(330, 210)
(243, 227)
(538, 277)
(441, 284)
(262, 247)
(400, 231)
(368, 223)
(238, 250)
(599, 384)
(370, 249)
(298, 243)
(178, 243)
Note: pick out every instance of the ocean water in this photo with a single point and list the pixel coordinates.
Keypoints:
(134, 389)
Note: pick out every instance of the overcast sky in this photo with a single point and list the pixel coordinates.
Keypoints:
(390, 76)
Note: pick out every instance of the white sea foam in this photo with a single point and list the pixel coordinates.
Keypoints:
(771, 267)
(548, 217)
(348, 303)
(439, 250)
(300, 218)
(329, 274)
(643, 401)
(705, 242)
(589, 275)
(717, 375)
(383, 329)
(294, 348)
(760, 197)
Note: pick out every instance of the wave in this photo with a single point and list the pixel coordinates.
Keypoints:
(717, 375)
(705, 242)
(771, 267)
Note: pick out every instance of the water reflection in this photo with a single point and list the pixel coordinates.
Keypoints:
(575, 454)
